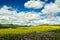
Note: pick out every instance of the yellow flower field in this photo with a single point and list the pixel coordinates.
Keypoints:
(27, 29)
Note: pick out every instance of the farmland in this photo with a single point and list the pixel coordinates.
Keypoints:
(18, 30)
(43, 32)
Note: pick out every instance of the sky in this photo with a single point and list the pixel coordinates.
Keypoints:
(30, 12)
(19, 4)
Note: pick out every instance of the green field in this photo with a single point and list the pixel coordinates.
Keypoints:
(43, 32)
(18, 30)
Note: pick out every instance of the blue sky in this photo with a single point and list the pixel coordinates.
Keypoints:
(30, 12)
(19, 4)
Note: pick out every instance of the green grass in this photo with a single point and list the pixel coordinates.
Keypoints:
(44, 32)
(27, 29)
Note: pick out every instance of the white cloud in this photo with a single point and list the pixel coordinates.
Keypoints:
(51, 9)
(13, 17)
(34, 4)
(54, 20)
(57, 2)
(24, 18)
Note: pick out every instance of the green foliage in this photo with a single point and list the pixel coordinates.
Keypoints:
(57, 30)
(49, 25)
(6, 25)
(11, 26)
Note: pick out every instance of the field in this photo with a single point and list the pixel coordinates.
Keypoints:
(31, 33)
(27, 29)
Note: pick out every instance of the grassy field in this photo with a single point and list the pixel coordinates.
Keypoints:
(28, 29)
(31, 33)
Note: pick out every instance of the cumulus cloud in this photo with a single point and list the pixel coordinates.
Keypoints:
(34, 4)
(51, 9)
(54, 20)
(30, 18)
(13, 17)
(57, 2)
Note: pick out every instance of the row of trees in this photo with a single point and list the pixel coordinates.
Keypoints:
(6, 25)
(11, 26)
